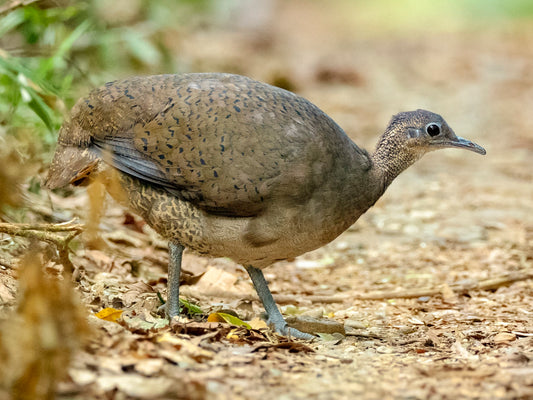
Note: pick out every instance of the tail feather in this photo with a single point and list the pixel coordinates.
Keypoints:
(71, 166)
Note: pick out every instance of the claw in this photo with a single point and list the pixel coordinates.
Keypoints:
(284, 329)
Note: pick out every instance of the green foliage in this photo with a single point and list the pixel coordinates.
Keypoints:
(191, 308)
(31, 87)
(50, 56)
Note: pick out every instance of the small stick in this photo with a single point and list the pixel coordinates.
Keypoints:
(47, 233)
(487, 284)
(6, 227)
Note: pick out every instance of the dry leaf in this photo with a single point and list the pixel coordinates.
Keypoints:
(137, 386)
(144, 323)
(218, 280)
(149, 366)
(258, 324)
(292, 347)
(190, 349)
(504, 337)
(448, 295)
(39, 339)
(109, 314)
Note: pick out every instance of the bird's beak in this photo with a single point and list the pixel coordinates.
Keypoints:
(461, 143)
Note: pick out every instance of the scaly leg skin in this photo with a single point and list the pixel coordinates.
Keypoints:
(175, 250)
(274, 316)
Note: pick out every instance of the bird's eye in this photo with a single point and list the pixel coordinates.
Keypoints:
(432, 129)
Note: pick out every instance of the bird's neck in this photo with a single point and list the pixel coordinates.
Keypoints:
(389, 161)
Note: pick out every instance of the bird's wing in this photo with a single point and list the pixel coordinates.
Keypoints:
(229, 146)
(119, 152)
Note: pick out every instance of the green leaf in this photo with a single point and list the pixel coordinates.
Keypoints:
(191, 308)
(11, 21)
(141, 48)
(65, 46)
(40, 108)
(228, 318)
(14, 68)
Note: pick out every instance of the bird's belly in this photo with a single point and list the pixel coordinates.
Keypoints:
(218, 236)
(259, 241)
(263, 240)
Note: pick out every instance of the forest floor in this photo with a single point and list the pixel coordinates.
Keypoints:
(433, 285)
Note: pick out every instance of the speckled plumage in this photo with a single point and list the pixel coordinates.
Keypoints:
(227, 166)
(235, 162)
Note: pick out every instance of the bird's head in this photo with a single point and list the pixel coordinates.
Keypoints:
(412, 134)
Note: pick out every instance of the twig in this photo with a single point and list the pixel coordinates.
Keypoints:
(190, 291)
(14, 4)
(47, 233)
(322, 299)
(62, 227)
(487, 284)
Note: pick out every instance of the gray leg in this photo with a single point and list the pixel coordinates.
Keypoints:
(274, 316)
(175, 250)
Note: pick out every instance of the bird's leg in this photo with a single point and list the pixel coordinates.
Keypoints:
(274, 316)
(175, 250)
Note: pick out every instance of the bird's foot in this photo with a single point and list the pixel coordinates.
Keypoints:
(281, 327)
(295, 333)
(163, 310)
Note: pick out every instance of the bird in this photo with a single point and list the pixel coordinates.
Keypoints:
(227, 166)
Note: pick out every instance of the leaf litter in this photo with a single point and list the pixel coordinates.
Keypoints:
(449, 224)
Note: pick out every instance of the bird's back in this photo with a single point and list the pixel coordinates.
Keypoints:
(223, 142)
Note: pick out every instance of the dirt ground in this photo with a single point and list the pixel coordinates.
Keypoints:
(433, 285)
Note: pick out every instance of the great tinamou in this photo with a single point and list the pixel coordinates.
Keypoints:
(230, 167)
